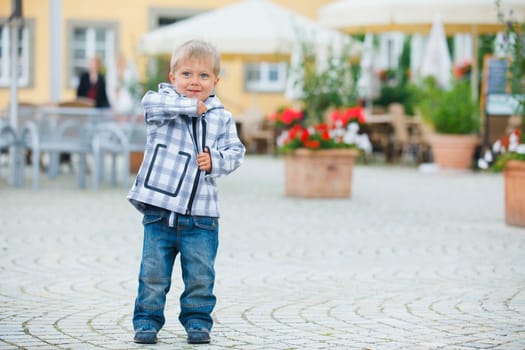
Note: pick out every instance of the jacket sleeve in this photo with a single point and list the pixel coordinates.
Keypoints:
(229, 153)
(160, 107)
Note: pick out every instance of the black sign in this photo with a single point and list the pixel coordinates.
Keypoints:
(497, 75)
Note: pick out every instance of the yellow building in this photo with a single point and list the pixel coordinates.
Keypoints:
(58, 37)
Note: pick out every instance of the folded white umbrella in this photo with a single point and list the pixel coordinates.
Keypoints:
(436, 60)
(368, 83)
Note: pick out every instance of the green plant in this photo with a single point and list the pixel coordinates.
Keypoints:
(157, 73)
(399, 89)
(502, 160)
(397, 94)
(324, 85)
(510, 146)
(514, 46)
(451, 111)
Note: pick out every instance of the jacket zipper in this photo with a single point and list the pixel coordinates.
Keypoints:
(198, 174)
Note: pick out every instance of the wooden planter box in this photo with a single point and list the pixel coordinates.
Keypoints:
(453, 151)
(514, 176)
(319, 173)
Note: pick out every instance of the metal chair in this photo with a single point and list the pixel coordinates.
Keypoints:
(8, 137)
(117, 139)
(254, 131)
(62, 130)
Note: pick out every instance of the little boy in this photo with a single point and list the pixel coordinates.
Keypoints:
(191, 140)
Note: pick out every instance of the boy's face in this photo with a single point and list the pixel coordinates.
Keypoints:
(194, 78)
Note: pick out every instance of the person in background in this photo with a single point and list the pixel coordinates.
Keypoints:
(92, 84)
(123, 86)
(192, 140)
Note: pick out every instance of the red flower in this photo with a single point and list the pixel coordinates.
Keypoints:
(505, 140)
(286, 117)
(304, 135)
(313, 144)
(294, 131)
(462, 70)
(347, 115)
(355, 113)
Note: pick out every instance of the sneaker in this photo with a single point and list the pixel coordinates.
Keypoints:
(198, 336)
(145, 337)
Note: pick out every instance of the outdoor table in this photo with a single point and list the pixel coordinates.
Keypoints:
(58, 130)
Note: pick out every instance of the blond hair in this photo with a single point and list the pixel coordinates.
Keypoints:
(196, 49)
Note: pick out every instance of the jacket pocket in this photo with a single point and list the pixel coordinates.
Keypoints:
(167, 171)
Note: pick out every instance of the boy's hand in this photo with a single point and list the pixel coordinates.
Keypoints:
(204, 160)
(201, 108)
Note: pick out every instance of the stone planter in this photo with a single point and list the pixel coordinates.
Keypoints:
(319, 173)
(453, 151)
(514, 177)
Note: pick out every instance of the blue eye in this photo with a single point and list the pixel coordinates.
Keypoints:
(205, 76)
(186, 74)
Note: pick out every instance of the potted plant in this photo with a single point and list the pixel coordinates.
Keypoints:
(319, 150)
(454, 117)
(512, 163)
(508, 153)
(508, 156)
(319, 159)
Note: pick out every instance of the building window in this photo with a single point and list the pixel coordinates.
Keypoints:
(265, 77)
(162, 16)
(24, 49)
(86, 41)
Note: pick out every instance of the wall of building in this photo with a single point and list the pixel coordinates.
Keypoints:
(132, 21)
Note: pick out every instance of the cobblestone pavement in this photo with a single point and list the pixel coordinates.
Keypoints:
(411, 261)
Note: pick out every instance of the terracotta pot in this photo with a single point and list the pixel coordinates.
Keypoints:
(514, 176)
(135, 160)
(453, 151)
(319, 173)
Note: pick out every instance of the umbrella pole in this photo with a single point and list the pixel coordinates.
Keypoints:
(474, 76)
(474, 82)
(15, 153)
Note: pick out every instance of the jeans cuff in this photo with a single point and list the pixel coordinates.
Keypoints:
(196, 324)
(145, 327)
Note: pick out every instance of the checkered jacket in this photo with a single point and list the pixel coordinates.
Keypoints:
(169, 176)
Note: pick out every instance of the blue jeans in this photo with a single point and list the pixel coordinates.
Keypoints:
(196, 239)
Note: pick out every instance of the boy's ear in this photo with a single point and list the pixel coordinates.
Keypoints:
(217, 80)
(171, 77)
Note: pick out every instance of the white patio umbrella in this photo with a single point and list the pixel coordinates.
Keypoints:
(250, 27)
(253, 28)
(436, 57)
(416, 16)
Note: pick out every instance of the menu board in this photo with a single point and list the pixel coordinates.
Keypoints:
(496, 75)
(494, 80)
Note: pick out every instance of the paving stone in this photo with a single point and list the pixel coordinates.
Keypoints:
(411, 261)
